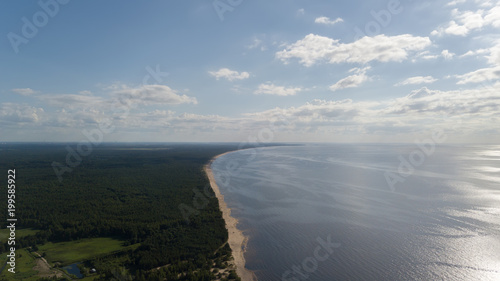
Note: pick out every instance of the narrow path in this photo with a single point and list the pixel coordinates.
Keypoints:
(51, 268)
(3, 267)
(220, 248)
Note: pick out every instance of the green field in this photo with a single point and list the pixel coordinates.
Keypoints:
(64, 252)
(75, 251)
(24, 267)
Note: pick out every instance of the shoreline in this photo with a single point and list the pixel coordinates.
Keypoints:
(237, 240)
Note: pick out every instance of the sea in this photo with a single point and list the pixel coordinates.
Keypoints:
(366, 211)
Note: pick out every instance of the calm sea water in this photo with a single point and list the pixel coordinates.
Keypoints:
(345, 212)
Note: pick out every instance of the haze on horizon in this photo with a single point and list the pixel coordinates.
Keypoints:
(232, 71)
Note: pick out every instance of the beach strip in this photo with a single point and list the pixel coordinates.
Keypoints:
(237, 241)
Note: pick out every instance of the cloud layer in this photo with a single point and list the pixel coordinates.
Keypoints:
(315, 48)
(327, 21)
(352, 81)
(271, 89)
(229, 74)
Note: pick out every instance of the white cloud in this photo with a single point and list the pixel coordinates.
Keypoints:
(465, 22)
(327, 21)
(485, 74)
(151, 95)
(426, 55)
(474, 53)
(301, 12)
(480, 75)
(352, 81)
(87, 93)
(481, 3)
(121, 94)
(317, 110)
(417, 80)
(494, 54)
(447, 55)
(271, 89)
(256, 43)
(119, 106)
(480, 101)
(20, 113)
(229, 74)
(455, 2)
(421, 110)
(492, 17)
(315, 48)
(70, 101)
(24, 91)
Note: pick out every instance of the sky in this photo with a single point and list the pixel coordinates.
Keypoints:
(250, 71)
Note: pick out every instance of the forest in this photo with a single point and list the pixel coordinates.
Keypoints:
(139, 194)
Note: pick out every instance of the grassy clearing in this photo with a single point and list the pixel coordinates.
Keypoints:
(76, 251)
(64, 252)
(24, 267)
(4, 233)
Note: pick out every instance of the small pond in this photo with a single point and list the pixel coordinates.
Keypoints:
(73, 269)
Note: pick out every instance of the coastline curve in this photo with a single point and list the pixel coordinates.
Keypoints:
(237, 240)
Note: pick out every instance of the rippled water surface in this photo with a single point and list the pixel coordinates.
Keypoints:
(367, 212)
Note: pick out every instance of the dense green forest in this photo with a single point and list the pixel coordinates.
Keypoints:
(133, 193)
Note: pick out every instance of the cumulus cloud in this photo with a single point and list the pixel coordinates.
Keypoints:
(447, 54)
(257, 43)
(426, 55)
(151, 95)
(327, 21)
(485, 74)
(24, 91)
(170, 120)
(69, 101)
(417, 80)
(317, 110)
(494, 53)
(229, 74)
(455, 2)
(352, 81)
(474, 53)
(480, 75)
(481, 101)
(464, 22)
(315, 48)
(271, 89)
(422, 109)
(20, 113)
(119, 107)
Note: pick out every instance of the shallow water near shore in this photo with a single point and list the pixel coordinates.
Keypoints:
(339, 212)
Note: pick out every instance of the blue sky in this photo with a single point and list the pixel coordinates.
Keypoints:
(239, 70)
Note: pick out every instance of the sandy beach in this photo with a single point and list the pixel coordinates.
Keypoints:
(237, 241)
